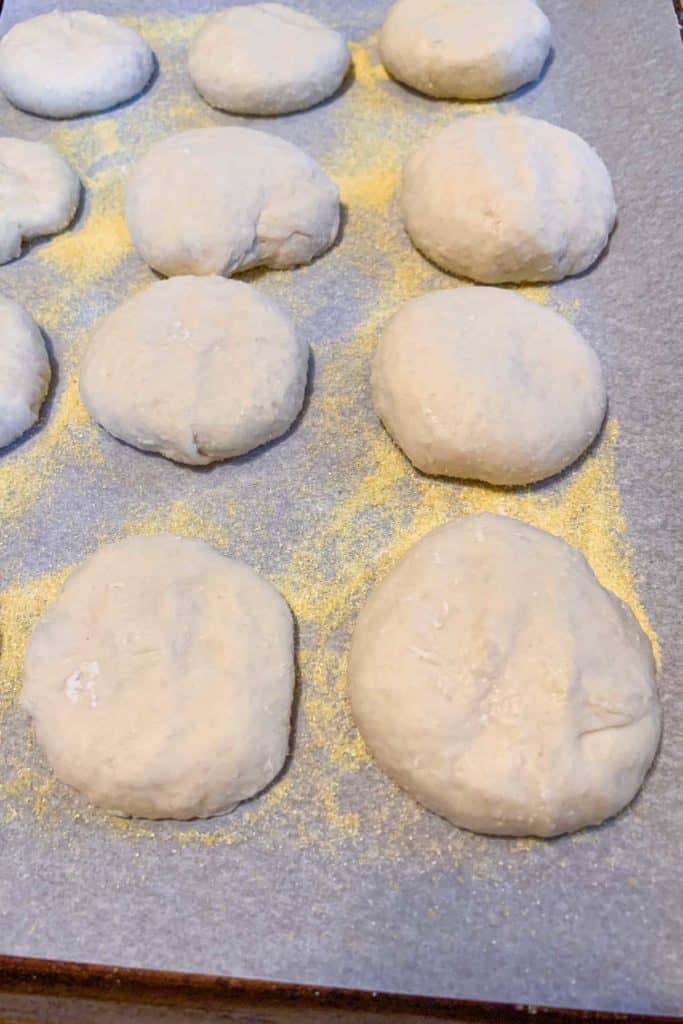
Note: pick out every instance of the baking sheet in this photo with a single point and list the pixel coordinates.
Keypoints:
(333, 876)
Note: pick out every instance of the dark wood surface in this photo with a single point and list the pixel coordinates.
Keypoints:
(678, 7)
(54, 992)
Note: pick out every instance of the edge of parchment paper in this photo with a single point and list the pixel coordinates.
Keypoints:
(26, 984)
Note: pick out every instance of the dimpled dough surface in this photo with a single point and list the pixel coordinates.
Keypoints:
(497, 682)
(502, 199)
(39, 193)
(24, 371)
(77, 62)
(160, 680)
(480, 383)
(221, 200)
(197, 368)
(266, 59)
(467, 49)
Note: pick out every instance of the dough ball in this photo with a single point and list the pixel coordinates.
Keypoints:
(221, 200)
(501, 685)
(266, 59)
(481, 384)
(465, 49)
(160, 680)
(24, 371)
(39, 193)
(197, 368)
(508, 198)
(67, 63)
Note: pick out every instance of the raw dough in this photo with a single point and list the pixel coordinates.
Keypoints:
(160, 680)
(497, 682)
(466, 49)
(67, 63)
(197, 368)
(508, 198)
(39, 193)
(482, 384)
(266, 59)
(221, 200)
(24, 371)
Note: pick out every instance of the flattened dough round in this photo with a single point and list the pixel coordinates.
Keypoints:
(39, 193)
(67, 63)
(197, 368)
(501, 685)
(501, 198)
(266, 59)
(465, 49)
(24, 371)
(482, 384)
(160, 680)
(221, 200)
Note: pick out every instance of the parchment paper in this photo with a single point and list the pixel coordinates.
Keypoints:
(334, 876)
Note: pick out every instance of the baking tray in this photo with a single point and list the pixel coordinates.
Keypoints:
(334, 877)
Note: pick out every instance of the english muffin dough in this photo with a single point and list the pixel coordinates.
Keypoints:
(497, 682)
(39, 193)
(221, 200)
(197, 368)
(466, 49)
(266, 59)
(160, 680)
(482, 384)
(24, 371)
(501, 198)
(66, 63)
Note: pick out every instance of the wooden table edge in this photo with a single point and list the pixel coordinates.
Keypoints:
(134, 986)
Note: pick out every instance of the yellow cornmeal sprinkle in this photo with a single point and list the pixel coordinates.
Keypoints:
(21, 605)
(368, 71)
(88, 142)
(105, 231)
(319, 785)
(26, 789)
(327, 573)
(82, 257)
(586, 512)
(89, 252)
(68, 435)
(179, 517)
(160, 31)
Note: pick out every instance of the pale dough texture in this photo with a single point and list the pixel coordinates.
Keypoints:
(24, 371)
(466, 49)
(501, 685)
(482, 384)
(266, 59)
(39, 193)
(500, 198)
(67, 63)
(160, 680)
(221, 200)
(197, 368)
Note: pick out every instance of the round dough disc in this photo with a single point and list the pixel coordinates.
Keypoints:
(465, 49)
(502, 197)
(221, 200)
(266, 59)
(482, 384)
(197, 368)
(67, 63)
(24, 371)
(160, 680)
(39, 193)
(501, 685)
